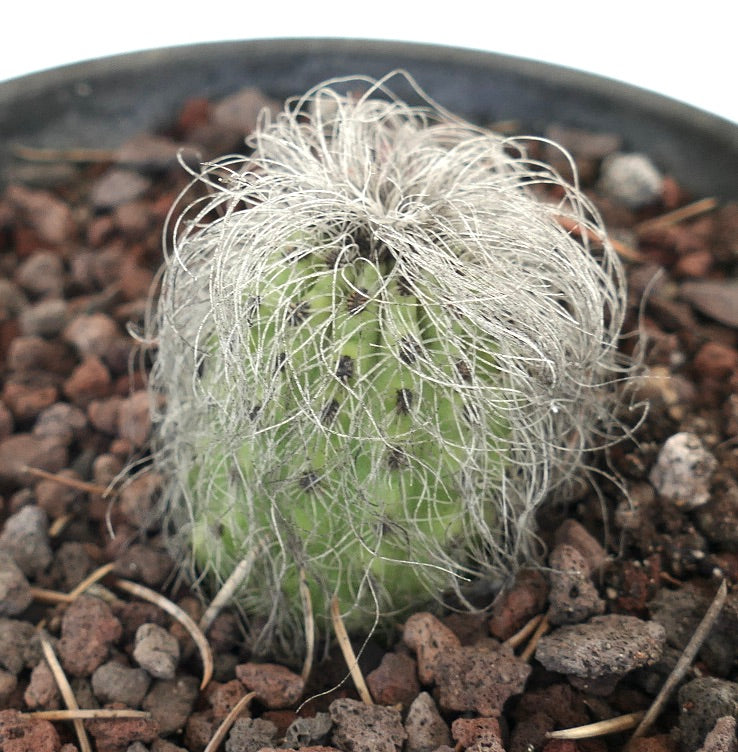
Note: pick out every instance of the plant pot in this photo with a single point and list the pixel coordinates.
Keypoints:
(100, 105)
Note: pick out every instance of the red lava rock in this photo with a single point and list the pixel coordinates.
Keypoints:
(134, 419)
(281, 719)
(8, 685)
(49, 216)
(103, 414)
(657, 743)
(574, 534)
(694, 264)
(223, 697)
(275, 686)
(145, 564)
(22, 734)
(72, 563)
(88, 628)
(469, 731)
(115, 682)
(91, 334)
(477, 679)
(561, 745)
(470, 628)
(199, 730)
(33, 353)
(573, 597)
(170, 702)
(90, 380)
(715, 360)
(26, 400)
(366, 728)
(117, 734)
(722, 737)
(56, 498)
(427, 637)
(23, 450)
(516, 606)
(394, 681)
(606, 646)
(138, 497)
(42, 692)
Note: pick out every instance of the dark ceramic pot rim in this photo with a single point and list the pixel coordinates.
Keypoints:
(100, 103)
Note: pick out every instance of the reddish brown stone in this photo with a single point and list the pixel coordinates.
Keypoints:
(23, 734)
(22, 450)
(427, 636)
(27, 400)
(275, 686)
(89, 381)
(117, 734)
(468, 731)
(516, 606)
(223, 697)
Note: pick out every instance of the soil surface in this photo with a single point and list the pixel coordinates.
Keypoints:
(632, 567)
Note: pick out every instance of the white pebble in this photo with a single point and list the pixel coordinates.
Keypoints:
(683, 471)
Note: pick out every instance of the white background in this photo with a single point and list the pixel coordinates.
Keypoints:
(683, 50)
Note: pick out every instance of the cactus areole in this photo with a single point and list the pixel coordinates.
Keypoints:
(379, 349)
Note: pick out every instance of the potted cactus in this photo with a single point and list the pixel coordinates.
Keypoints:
(379, 349)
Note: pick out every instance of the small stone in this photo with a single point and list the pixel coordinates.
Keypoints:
(41, 274)
(116, 187)
(28, 398)
(62, 422)
(250, 735)
(394, 681)
(117, 734)
(518, 604)
(25, 539)
(683, 471)
(134, 419)
(630, 179)
(34, 353)
(702, 703)
(50, 217)
(103, 414)
(366, 728)
(137, 498)
(45, 318)
(478, 679)
(19, 733)
(425, 728)
(156, 651)
(12, 299)
(22, 450)
(722, 737)
(275, 686)
(15, 592)
(468, 732)
(8, 684)
(427, 637)
(42, 692)
(573, 533)
(223, 697)
(92, 334)
(717, 520)
(89, 381)
(606, 646)
(88, 629)
(240, 111)
(15, 638)
(58, 498)
(170, 702)
(305, 732)
(717, 299)
(145, 564)
(714, 360)
(573, 597)
(199, 731)
(114, 682)
(72, 563)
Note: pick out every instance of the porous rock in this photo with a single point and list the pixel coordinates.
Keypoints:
(306, 732)
(702, 702)
(88, 629)
(15, 637)
(156, 651)
(517, 605)
(171, 702)
(19, 733)
(427, 636)
(22, 450)
(478, 679)
(683, 471)
(250, 735)
(394, 680)
(117, 734)
(606, 646)
(478, 734)
(275, 686)
(25, 539)
(42, 692)
(573, 597)
(722, 737)
(366, 728)
(15, 591)
(114, 682)
(425, 728)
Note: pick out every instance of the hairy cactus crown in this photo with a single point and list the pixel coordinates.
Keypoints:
(379, 351)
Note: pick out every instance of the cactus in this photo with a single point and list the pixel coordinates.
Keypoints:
(379, 350)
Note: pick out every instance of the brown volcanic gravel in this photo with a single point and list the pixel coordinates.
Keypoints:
(628, 576)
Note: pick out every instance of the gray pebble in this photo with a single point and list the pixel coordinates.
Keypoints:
(250, 735)
(702, 702)
(170, 702)
(116, 187)
(114, 682)
(426, 730)
(15, 638)
(25, 538)
(573, 597)
(366, 728)
(683, 471)
(15, 592)
(45, 319)
(156, 651)
(630, 179)
(606, 646)
(41, 274)
(306, 732)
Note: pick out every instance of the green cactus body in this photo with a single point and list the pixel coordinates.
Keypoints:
(377, 360)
